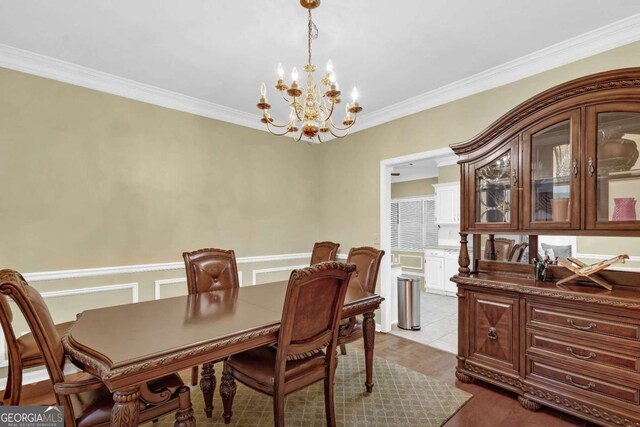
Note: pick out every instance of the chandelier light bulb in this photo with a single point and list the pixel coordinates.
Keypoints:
(329, 67)
(332, 77)
(294, 74)
(354, 94)
(292, 117)
(280, 71)
(263, 90)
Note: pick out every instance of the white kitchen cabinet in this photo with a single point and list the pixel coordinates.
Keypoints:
(439, 266)
(434, 271)
(450, 270)
(447, 203)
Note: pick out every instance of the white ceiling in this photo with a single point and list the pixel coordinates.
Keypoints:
(220, 51)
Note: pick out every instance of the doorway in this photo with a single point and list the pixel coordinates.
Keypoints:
(425, 167)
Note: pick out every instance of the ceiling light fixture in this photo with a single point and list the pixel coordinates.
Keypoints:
(311, 110)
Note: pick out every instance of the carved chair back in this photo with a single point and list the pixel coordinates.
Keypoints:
(210, 270)
(312, 310)
(367, 261)
(518, 252)
(502, 247)
(38, 317)
(6, 320)
(324, 251)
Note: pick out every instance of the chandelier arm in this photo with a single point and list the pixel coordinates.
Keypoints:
(333, 105)
(279, 126)
(299, 137)
(295, 110)
(338, 136)
(346, 127)
(288, 101)
(276, 133)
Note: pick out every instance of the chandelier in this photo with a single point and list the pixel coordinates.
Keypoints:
(312, 108)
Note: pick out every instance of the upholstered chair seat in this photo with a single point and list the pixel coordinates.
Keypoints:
(28, 348)
(260, 365)
(93, 407)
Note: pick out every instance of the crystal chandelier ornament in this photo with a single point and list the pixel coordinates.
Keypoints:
(312, 107)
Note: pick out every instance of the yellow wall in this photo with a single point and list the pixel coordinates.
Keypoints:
(415, 188)
(91, 180)
(356, 160)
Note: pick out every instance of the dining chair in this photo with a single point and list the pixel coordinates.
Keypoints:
(324, 251)
(306, 348)
(502, 248)
(208, 270)
(518, 252)
(87, 402)
(23, 352)
(367, 261)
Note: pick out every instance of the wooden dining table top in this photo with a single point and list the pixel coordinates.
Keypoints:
(183, 331)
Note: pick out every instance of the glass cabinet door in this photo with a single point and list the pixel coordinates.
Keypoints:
(613, 180)
(494, 193)
(551, 173)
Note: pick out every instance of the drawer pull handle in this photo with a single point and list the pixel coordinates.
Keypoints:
(589, 386)
(493, 334)
(590, 356)
(590, 327)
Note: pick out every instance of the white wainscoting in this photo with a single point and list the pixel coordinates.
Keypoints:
(158, 285)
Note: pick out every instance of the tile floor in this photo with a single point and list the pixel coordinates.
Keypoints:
(438, 321)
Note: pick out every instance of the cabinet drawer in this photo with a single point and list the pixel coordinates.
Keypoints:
(585, 353)
(582, 322)
(585, 383)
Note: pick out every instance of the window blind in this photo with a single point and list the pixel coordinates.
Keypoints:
(413, 224)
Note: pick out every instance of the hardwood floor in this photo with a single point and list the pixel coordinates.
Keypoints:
(489, 407)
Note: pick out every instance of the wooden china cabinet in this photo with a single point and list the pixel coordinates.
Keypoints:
(564, 162)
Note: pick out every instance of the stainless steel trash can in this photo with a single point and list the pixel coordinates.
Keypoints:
(409, 303)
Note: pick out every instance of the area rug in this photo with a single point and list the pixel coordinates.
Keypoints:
(401, 397)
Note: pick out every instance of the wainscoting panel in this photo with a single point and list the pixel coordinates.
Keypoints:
(69, 292)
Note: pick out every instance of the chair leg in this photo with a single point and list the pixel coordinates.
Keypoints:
(184, 414)
(328, 401)
(278, 409)
(194, 376)
(343, 349)
(208, 386)
(227, 392)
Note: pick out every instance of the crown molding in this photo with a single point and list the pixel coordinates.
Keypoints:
(51, 68)
(600, 40)
(614, 35)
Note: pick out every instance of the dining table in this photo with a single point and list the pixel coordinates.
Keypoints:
(126, 346)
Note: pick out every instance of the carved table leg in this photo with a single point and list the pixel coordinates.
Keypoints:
(462, 377)
(184, 414)
(227, 392)
(208, 386)
(529, 404)
(369, 332)
(126, 409)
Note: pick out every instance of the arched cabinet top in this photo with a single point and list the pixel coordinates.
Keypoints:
(609, 86)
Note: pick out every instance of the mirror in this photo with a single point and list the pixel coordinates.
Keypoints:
(588, 249)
